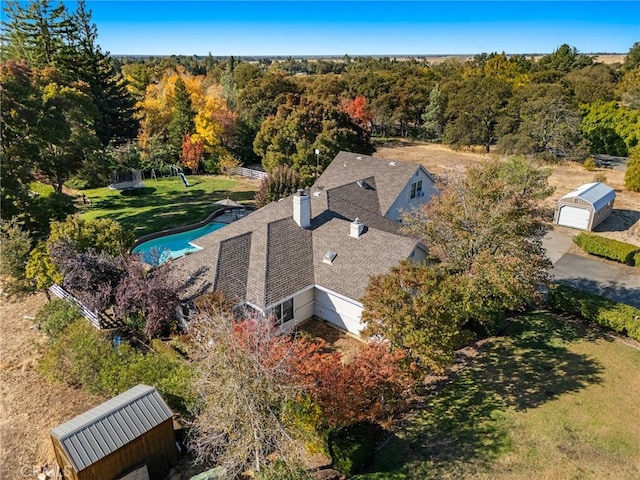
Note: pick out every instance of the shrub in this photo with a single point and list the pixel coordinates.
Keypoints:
(14, 255)
(83, 357)
(281, 470)
(589, 164)
(57, 315)
(636, 259)
(352, 447)
(605, 247)
(617, 316)
(632, 175)
(600, 177)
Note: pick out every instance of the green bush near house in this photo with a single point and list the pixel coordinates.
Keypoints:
(607, 248)
(83, 357)
(617, 316)
(352, 447)
(56, 315)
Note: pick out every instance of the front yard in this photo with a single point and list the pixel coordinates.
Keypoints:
(551, 399)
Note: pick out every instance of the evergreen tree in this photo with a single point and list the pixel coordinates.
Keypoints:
(182, 117)
(433, 116)
(37, 33)
(115, 106)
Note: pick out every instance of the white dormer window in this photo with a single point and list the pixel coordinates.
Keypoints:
(416, 190)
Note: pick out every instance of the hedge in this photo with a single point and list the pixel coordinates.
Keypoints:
(352, 447)
(617, 316)
(605, 247)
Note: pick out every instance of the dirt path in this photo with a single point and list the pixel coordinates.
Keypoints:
(623, 224)
(29, 405)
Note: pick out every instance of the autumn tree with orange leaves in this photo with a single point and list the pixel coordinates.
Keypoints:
(191, 153)
(252, 380)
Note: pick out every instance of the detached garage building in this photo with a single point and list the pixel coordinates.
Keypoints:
(586, 206)
(129, 437)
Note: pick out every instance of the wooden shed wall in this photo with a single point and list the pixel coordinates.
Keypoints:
(156, 448)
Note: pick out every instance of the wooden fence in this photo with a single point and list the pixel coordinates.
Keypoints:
(247, 172)
(93, 317)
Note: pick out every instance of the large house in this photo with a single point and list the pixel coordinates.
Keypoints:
(312, 253)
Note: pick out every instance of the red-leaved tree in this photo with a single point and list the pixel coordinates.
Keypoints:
(359, 111)
(191, 153)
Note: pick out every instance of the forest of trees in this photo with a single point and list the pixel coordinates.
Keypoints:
(73, 112)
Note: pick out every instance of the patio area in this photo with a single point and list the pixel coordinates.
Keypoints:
(337, 340)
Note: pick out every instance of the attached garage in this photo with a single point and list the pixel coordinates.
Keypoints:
(585, 207)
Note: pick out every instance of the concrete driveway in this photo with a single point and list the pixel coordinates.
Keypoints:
(617, 282)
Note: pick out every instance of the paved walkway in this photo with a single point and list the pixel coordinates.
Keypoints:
(617, 282)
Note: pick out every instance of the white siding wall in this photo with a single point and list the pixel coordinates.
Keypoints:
(404, 202)
(303, 305)
(341, 311)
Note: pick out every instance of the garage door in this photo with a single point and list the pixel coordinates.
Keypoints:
(574, 217)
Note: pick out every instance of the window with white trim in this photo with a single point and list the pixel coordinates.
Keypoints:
(284, 311)
(416, 189)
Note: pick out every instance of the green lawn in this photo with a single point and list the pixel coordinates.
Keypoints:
(552, 399)
(166, 203)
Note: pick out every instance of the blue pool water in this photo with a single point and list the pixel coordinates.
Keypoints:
(161, 249)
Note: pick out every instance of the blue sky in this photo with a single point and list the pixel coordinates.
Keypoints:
(293, 27)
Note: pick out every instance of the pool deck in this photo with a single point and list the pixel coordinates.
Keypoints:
(231, 216)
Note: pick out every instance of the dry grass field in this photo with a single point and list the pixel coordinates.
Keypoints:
(623, 224)
(30, 406)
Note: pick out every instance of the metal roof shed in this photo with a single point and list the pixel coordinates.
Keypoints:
(586, 206)
(129, 436)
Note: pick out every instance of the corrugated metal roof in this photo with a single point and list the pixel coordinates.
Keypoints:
(597, 194)
(104, 429)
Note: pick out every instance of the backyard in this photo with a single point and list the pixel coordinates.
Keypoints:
(166, 202)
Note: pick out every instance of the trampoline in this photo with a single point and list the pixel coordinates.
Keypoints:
(131, 181)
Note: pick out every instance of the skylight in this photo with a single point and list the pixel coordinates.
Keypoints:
(329, 257)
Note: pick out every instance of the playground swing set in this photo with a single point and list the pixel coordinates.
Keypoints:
(134, 179)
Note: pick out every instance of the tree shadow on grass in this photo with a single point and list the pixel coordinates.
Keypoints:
(466, 422)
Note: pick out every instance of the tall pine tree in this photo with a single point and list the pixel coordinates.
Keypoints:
(115, 105)
(182, 117)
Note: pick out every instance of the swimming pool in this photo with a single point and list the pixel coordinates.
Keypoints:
(160, 250)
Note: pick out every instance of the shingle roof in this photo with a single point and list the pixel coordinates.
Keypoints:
(390, 176)
(596, 193)
(104, 429)
(274, 258)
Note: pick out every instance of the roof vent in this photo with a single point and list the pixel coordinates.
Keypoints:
(361, 183)
(317, 194)
(393, 164)
(358, 158)
(329, 257)
(356, 228)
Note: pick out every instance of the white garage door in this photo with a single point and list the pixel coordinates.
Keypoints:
(574, 217)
